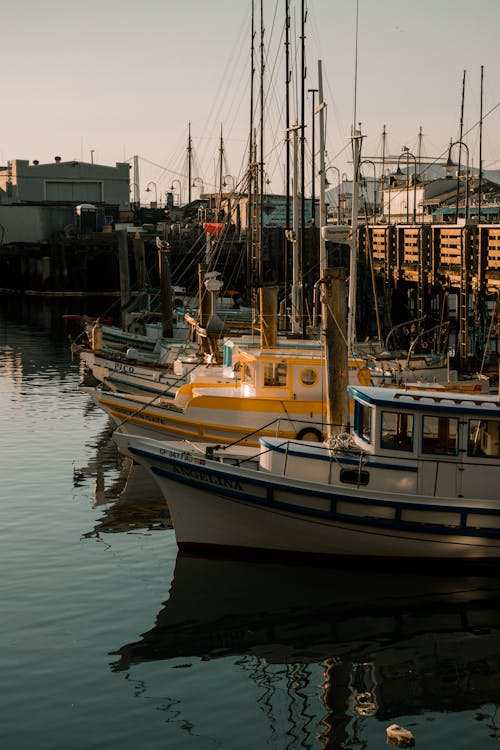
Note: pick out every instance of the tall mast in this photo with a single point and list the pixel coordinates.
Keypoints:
(221, 164)
(356, 139)
(287, 110)
(251, 174)
(261, 160)
(313, 161)
(460, 146)
(295, 294)
(190, 158)
(353, 266)
(382, 178)
(322, 174)
(355, 115)
(302, 161)
(480, 179)
(419, 151)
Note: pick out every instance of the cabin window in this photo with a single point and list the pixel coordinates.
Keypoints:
(309, 376)
(363, 421)
(396, 431)
(439, 435)
(275, 374)
(484, 438)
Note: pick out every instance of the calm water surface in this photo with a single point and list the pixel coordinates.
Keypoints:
(109, 638)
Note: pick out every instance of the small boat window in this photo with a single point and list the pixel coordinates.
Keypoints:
(439, 435)
(396, 431)
(275, 374)
(363, 421)
(484, 438)
(308, 376)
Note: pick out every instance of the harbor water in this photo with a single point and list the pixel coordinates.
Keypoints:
(110, 638)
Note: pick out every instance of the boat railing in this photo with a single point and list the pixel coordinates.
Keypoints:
(439, 334)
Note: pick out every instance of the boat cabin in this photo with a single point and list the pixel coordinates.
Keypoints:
(291, 375)
(449, 443)
(430, 423)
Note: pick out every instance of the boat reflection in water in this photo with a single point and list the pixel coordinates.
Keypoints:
(386, 645)
(126, 492)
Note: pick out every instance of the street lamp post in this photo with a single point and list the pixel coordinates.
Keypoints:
(198, 181)
(450, 165)
(369, 161)
(148, 190)
(233, 187)
(172, 188)
(407, 154)
(327, 184)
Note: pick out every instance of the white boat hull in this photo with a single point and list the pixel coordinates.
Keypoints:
(216, 506)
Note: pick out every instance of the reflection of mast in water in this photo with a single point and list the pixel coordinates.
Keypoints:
(328, 649)
(299, 717)
(132, 502)
(106, 458)
(335, 689)
(129, 492)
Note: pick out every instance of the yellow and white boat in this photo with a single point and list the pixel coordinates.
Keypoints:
(276, 393)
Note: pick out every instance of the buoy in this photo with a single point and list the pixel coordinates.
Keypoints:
(399, 736)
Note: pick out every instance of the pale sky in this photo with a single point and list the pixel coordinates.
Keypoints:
(124, 78)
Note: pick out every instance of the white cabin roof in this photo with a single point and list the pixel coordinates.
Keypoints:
(427, 400)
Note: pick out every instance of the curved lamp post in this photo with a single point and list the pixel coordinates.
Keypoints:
(369, 161)
(345, 195)
(233, 182)
(172, 188)
(197, 181)
(450, 166)
(148, 190)
(327, 184)
(407, 154)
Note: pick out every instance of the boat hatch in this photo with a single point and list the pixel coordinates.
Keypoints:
(354, 476)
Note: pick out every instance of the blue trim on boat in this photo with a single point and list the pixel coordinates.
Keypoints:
(228, 488)
(139, 387)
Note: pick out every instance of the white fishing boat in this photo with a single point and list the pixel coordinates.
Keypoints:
(131, 373)
(416, 480)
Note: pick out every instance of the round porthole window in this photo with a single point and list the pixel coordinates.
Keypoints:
(308, 376)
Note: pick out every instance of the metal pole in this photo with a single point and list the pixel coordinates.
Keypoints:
(313, 151)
